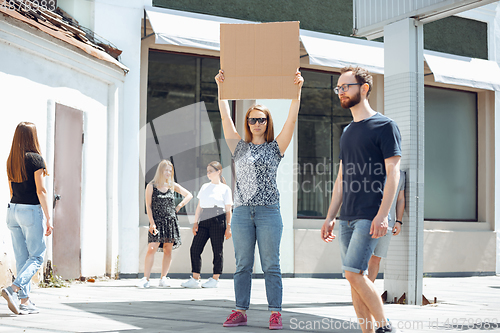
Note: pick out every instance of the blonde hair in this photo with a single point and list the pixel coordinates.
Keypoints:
(218, 167)
(159, 178)
(269, 133)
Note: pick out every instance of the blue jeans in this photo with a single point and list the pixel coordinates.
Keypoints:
(262, 224)
(26, 228)
(356, 245)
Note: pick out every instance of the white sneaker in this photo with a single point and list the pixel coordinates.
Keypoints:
(144, 283)
(211, 283)
(191, 283)
(164, 282)
(28, 308)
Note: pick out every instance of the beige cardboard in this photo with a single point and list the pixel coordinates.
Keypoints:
(259, 60)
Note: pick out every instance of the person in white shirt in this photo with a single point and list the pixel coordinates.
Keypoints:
(214, 215)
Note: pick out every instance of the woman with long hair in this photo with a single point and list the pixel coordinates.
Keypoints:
(25, 214)
(163, 225)
(214, 215)
(256, 216)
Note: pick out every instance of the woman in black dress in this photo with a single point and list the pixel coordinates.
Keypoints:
(162, 214)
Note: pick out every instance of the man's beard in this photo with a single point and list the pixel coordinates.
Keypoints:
(350, 102)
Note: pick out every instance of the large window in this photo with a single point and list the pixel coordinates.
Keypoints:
(321, 121)
(179, 129)
(450, 155)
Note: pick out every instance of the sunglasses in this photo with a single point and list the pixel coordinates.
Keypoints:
(261, 121)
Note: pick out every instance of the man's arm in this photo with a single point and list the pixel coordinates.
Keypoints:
(380, 222)
(327, 228)
(400, 208)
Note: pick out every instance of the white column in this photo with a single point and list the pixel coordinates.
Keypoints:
(404, 102)
(497, 182)
(112, 239)
(125, 33)
(495, 55)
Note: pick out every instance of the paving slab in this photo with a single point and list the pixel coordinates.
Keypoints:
(309, 305)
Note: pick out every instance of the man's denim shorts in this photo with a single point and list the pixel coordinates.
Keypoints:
(356, 245)
(383, 244)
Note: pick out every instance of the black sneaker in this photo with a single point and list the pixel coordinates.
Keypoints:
(387, 328)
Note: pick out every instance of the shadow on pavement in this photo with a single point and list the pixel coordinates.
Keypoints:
(208, 315)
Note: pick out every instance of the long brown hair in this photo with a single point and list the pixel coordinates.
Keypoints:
(218, 167)
(269, 133)
(25, 141)
(159, 178)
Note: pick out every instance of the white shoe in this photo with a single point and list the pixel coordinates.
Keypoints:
(211, 283)
(191, 283)
(144, 283)
(28, 308)
(164, 282)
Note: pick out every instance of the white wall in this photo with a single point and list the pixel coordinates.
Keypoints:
(120, 22)
(37, 71)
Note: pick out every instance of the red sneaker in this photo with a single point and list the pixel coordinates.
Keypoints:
(236, 318)
(275, 322)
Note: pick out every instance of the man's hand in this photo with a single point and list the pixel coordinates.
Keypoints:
(195, 228)
(379, 226)
(327, 230)
(396, 229)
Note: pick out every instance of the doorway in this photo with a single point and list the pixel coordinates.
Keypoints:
(68, 146)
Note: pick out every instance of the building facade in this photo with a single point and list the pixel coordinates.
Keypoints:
(166, 107)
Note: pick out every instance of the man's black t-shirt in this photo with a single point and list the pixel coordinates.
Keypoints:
(25, 192)
(364, 145)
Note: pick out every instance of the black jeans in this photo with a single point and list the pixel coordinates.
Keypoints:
(213, 228)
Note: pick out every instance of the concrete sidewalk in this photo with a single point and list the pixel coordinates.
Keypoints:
(309, 305)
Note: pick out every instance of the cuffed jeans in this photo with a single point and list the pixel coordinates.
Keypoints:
(26, 227)
(261, 224)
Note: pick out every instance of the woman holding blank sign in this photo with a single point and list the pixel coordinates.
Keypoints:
(256, 216)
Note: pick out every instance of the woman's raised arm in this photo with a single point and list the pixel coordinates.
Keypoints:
(230, 133)
(285, 136)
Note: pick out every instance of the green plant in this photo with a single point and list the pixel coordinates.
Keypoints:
(51, 280)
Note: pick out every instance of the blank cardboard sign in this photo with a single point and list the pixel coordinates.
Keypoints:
(259, 60)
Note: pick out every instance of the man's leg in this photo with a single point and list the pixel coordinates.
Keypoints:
(365, 318)
(379, 253)
(373, 267)
(368, 298)
(357, 253)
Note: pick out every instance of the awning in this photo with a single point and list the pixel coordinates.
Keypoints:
(203, 31)
(463, 71)
(187, 29)
(339, 51)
